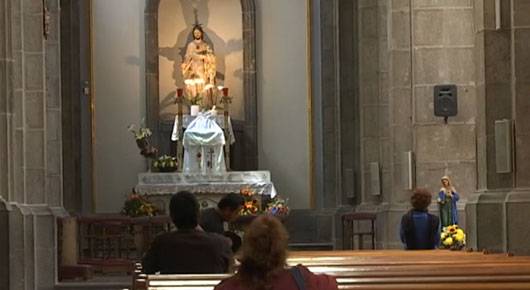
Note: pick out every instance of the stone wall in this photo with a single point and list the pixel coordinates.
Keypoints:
(407, 47)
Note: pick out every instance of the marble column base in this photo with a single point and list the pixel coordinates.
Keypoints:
(33, 246)
(517, 207)
(4, 244)
(486, 220)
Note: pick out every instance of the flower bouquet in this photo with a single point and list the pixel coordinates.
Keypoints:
(453, 237)
(165, 163)
(137, 205)
(278, 207)
(142, 141)
(251, 205)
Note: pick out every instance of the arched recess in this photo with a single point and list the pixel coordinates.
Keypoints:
(250, 144)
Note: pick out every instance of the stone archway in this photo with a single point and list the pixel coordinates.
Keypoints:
(250, 145)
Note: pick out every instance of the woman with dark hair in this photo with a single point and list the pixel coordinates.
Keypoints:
(263, 262)
(420, 230)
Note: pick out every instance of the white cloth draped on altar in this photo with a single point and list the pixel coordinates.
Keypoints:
(203, 143)
(187, 119)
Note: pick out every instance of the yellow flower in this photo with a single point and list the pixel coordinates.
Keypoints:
(459, 232)
(459, 237)
(448, 241)
(443, 235)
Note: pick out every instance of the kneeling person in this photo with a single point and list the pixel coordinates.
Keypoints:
(188, 250)
(227, 210)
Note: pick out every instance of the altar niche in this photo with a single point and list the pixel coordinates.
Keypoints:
(168, 28)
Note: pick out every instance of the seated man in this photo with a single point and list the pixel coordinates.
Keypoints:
(227, 210)
(188, 250)
(420, 230)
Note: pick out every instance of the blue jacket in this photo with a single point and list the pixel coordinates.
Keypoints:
(419, 230)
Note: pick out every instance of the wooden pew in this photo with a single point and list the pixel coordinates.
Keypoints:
(386, 270)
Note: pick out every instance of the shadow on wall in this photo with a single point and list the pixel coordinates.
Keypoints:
(197, 11)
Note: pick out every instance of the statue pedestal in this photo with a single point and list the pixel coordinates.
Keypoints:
(208, 189)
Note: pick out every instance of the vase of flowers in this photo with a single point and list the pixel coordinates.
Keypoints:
(278, 206)
(141, 136)
(165, 163)
(194, 103)
(453, 238)
(137, 205)
(251, 206)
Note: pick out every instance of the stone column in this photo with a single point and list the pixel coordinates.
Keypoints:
(6, 135)
(518, 200)
(484, 210)
(36, 133)
(330, 113)
(151, 70)
(398, 113)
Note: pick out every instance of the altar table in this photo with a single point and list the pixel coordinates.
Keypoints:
(208, 189)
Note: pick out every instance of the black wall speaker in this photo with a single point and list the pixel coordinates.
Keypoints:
(445, 101)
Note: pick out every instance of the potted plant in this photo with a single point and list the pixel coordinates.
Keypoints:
(165, 163)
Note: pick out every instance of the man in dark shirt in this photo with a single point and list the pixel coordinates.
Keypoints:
(227, 210)
(188, 250)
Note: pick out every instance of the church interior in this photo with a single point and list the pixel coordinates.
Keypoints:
(328, 114)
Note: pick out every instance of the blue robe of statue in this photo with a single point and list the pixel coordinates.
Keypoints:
(448, 210)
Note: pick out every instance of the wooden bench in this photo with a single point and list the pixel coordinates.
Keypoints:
(385, 270)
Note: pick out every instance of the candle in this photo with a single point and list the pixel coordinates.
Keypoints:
(180, 92)
(225, 91)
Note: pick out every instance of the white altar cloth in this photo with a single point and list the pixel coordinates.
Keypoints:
(187, 119)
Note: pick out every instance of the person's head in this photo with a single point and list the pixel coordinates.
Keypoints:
(446, 182)
(198, 33)
(420, 199)
(184, 210)
(264, 251)
(230, 205)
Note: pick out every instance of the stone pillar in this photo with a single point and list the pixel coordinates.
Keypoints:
(330, 113)
(518, 200)
(35, 177)
(6, 135)
(151, 71)
(484, 210)
(398, 114)
(369, 96)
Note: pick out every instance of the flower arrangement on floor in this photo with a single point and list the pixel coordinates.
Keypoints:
(278, 206)
(251, 205)
(137, 205)
(453, 237)
(165, 163)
